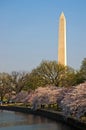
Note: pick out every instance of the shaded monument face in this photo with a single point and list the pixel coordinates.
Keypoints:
(62, 41)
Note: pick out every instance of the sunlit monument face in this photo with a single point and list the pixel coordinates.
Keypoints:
(62, 41)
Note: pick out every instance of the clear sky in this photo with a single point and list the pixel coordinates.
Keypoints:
(29, 32)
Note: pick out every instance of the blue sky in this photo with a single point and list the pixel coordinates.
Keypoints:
(29, 32)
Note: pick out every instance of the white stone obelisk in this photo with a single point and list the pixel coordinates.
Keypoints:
(62, 57)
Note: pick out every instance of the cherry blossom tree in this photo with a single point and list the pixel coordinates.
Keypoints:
(74, 102)
(71, 100)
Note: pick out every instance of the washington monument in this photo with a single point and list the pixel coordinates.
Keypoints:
(62, 58)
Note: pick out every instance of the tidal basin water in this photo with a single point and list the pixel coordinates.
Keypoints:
(20, 121)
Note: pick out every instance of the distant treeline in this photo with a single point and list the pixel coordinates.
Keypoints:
(47, 73)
